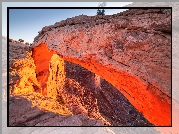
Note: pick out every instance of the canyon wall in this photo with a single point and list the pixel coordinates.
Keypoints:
(131, 50)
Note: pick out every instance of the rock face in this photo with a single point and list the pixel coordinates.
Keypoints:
(175, 35)
(99, 96)
(131, 50)
(30, 106)
(84, 93)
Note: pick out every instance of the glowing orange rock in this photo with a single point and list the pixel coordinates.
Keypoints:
(42, 66)
(155, 107)
(56, 78)
(132, 54)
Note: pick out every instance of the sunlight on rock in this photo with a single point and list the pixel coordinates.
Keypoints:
(26, 71)
(56, 77)
(26, 84)
(131, 54)
(46, 103)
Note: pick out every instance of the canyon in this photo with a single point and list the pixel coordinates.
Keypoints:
(115, 69)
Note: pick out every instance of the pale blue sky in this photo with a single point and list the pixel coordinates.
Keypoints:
(25, 23)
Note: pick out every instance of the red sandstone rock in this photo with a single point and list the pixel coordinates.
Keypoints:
(131, 50)
(28, 108)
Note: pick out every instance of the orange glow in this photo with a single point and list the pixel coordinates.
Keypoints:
(44, 73)
(46, 103)
(27, 75)
(42, 55)
(28, 83)
(140, 95)
(155, 110)
(56, 79)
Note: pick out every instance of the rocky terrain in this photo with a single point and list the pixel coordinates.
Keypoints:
(111, 130)
(27, 106)
(102, 97)
(134, 46)
(136, 51)
(21, 113)
(80, 103)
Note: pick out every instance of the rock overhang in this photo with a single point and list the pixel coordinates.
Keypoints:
(134, 46)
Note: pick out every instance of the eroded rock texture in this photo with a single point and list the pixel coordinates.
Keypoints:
(22, 73)
(70, 86)
(99, 96)
(131, 50)
(33, 103)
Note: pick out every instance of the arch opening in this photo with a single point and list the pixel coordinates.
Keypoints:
(141, 95)
(112, 105)
(131, 50)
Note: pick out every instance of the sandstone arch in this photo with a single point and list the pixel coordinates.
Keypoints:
(131, 50)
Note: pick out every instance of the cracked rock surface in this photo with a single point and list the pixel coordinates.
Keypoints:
(134, 46)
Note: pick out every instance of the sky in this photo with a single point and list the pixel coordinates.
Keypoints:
(26, 23)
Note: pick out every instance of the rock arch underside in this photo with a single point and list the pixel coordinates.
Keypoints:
(131, 50)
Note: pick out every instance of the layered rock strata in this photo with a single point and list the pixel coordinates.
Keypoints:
(131, 50)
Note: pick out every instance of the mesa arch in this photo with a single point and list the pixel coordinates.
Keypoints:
(131, 50)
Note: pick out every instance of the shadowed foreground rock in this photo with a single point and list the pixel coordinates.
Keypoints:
(21, 113)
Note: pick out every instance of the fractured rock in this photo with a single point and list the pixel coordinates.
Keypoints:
(131, 50)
